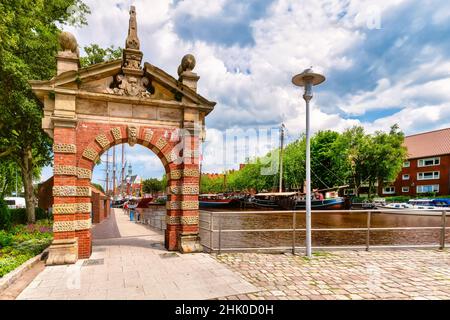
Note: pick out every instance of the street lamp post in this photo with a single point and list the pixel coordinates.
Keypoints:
(308, 79)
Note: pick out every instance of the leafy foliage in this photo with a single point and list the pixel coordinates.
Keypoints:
(28, 44)
(8, 174)
(98, 186)
(96, 54)
(23, 242)
(352, 157)
(152, 185)
(5, 216)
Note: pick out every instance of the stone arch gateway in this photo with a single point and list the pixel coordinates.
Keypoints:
(88, 110)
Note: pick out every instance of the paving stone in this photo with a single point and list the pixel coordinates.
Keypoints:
(380, 274)
(134, 269)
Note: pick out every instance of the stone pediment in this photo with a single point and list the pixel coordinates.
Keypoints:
(121, 91)
(103, 81)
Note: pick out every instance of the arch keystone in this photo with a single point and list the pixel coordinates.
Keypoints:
(132, 135)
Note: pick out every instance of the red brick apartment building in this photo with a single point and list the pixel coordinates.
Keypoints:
(427, 168)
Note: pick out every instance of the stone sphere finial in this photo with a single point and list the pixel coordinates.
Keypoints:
(68, 42)
(187, 64)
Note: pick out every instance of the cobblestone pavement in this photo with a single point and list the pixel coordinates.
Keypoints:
(344, 275)
(136, 265)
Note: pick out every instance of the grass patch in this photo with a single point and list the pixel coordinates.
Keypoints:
(23, 242)
(318, 254)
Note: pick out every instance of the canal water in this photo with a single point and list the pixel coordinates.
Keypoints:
(243, 220)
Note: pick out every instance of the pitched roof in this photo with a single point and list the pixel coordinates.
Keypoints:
(432, 143)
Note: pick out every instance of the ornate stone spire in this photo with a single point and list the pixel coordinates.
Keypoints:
(132, 41)
(132, 56)
(131, 80)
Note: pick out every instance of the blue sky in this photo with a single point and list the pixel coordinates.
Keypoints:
(386, 62)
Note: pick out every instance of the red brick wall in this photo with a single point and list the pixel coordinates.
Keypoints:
(96, 210)
(412, 183)
(45, 194)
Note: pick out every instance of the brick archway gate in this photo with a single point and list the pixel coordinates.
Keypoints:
(88, 110)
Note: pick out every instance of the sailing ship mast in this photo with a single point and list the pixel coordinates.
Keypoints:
(107, 172)
(280, 189)
(122, 178)
(114, 172)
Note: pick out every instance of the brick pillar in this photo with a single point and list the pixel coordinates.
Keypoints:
(64, 248)
(173, 215)
(188, 237)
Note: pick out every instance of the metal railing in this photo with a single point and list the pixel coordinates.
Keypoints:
(153, 218)
(219, 217)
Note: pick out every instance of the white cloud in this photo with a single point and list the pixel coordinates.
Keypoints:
(429, 117)
(429, 81)
(252, 84)
(199, 8)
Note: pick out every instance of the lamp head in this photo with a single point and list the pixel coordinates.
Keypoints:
(308, 76)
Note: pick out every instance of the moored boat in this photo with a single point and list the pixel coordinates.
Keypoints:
(438, 203)
(274, 200)
(215, 201)
(331, 201)
(297, 201)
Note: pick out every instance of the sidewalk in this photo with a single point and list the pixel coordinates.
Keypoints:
(129, 262)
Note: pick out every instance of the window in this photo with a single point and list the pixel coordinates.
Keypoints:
(388, 190)
(405, 177)
(406, 164)
(428, 175)
(428, 162)
(405, 189)
(428, 188)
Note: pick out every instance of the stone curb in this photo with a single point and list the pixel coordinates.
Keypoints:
(15, 274)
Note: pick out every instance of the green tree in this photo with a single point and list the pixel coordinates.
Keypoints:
(96, 54)
(28, 44)
(323, 174)
(349, 155)
(294, 164)
(386, 154)
(152, 185)
(98, 186)
(9, 173)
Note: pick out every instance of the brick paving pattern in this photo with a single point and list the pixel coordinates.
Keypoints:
(344, 275)
(133, 264)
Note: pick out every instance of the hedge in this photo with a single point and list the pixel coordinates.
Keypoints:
(10, 217)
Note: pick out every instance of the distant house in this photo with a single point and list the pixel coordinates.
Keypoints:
(131, 186)
(99, 201)
(427, 169)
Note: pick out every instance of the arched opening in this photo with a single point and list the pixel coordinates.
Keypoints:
(133, 176)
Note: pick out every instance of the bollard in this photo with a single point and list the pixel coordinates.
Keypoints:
(220, 232)
(368, 230)
(294, 222)
(211, 233)
(443, 222)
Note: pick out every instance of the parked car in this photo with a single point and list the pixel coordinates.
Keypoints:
(15, 202)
